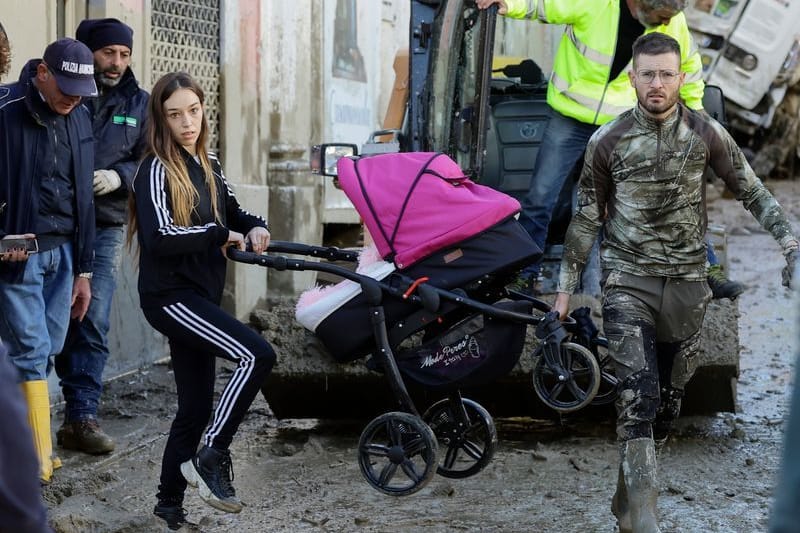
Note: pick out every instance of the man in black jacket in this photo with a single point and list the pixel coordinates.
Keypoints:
(118, 116)
(46, 161)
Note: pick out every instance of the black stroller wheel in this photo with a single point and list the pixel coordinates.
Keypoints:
(469, 433)
(573, 391)
(607, 392)
(397, 453)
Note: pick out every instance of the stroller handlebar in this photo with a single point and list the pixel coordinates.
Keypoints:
(331, 253)
(428, 297)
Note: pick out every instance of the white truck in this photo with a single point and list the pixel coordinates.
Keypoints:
(751, 50)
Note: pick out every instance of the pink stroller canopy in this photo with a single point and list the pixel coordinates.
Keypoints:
(415, 203)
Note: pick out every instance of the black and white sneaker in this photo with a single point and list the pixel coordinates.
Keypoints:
(211, 471)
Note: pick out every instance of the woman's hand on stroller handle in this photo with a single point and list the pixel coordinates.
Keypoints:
(257, 239)
(235, 240)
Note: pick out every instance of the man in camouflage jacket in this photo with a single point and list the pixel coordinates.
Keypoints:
(642, 183)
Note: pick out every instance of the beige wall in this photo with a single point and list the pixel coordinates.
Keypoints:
(30, 25)
(289, 107)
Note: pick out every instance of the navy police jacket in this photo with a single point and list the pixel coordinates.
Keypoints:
(23, 141)
(118, 121)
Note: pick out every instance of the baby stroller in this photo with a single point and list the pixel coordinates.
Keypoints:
(434, 311)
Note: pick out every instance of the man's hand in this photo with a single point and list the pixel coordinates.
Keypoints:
(16, 255)
(81, 297)
(258, 238)
(561, 305)
(105, 181)
(502, 9)
(788, 271)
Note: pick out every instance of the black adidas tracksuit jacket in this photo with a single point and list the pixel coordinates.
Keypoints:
(178, 258)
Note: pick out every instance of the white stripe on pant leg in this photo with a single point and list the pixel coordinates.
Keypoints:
(244, 359)
(204, 329)
(232, 390)
(181, 314)
(229, 396)
(246, 362)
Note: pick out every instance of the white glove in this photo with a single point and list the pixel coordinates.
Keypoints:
(105, 181)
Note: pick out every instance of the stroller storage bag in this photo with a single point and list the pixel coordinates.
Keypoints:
(476, 350)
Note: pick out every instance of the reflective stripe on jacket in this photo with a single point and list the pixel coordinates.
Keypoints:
(579, 86)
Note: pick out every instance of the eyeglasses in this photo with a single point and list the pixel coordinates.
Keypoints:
(667, 77)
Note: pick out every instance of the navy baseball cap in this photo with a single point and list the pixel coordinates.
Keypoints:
(72, 65)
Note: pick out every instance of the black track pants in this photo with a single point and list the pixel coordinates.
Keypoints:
(198, 332)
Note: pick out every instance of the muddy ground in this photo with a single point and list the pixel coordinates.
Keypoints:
(716, 473)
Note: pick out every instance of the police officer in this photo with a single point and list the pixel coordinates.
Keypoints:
(21, 505)
(118, 120)
(46, 161)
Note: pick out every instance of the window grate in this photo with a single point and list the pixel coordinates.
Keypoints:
(185, 37)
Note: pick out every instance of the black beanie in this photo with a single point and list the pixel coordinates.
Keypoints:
(97, 33)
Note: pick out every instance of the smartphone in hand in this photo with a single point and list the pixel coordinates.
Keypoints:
(12, 245)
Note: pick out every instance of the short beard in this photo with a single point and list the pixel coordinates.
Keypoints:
(660, 109)
(108, 83)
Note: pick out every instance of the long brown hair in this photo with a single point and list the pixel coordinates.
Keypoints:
(183, 195)
(5, 52)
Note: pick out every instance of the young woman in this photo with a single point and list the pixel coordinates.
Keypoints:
(185, 216)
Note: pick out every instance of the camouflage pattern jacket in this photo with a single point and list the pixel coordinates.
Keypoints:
(642, 183)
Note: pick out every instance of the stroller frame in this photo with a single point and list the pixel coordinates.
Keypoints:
(406, 441)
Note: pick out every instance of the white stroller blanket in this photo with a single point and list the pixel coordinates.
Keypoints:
(318, 303)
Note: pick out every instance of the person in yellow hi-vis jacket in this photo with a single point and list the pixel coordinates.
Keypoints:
(589, 86)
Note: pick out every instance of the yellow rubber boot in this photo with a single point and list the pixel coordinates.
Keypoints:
(38, 398)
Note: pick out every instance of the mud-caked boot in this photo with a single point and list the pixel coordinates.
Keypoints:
(171, 511)
(639, 472)
(619, 505)
(84, 436)
(721, 286)
(211, 471)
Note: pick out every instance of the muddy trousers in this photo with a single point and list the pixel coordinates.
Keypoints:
(653, 329)
(198, 332)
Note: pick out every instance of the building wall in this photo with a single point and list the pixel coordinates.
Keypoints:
(290, 106)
